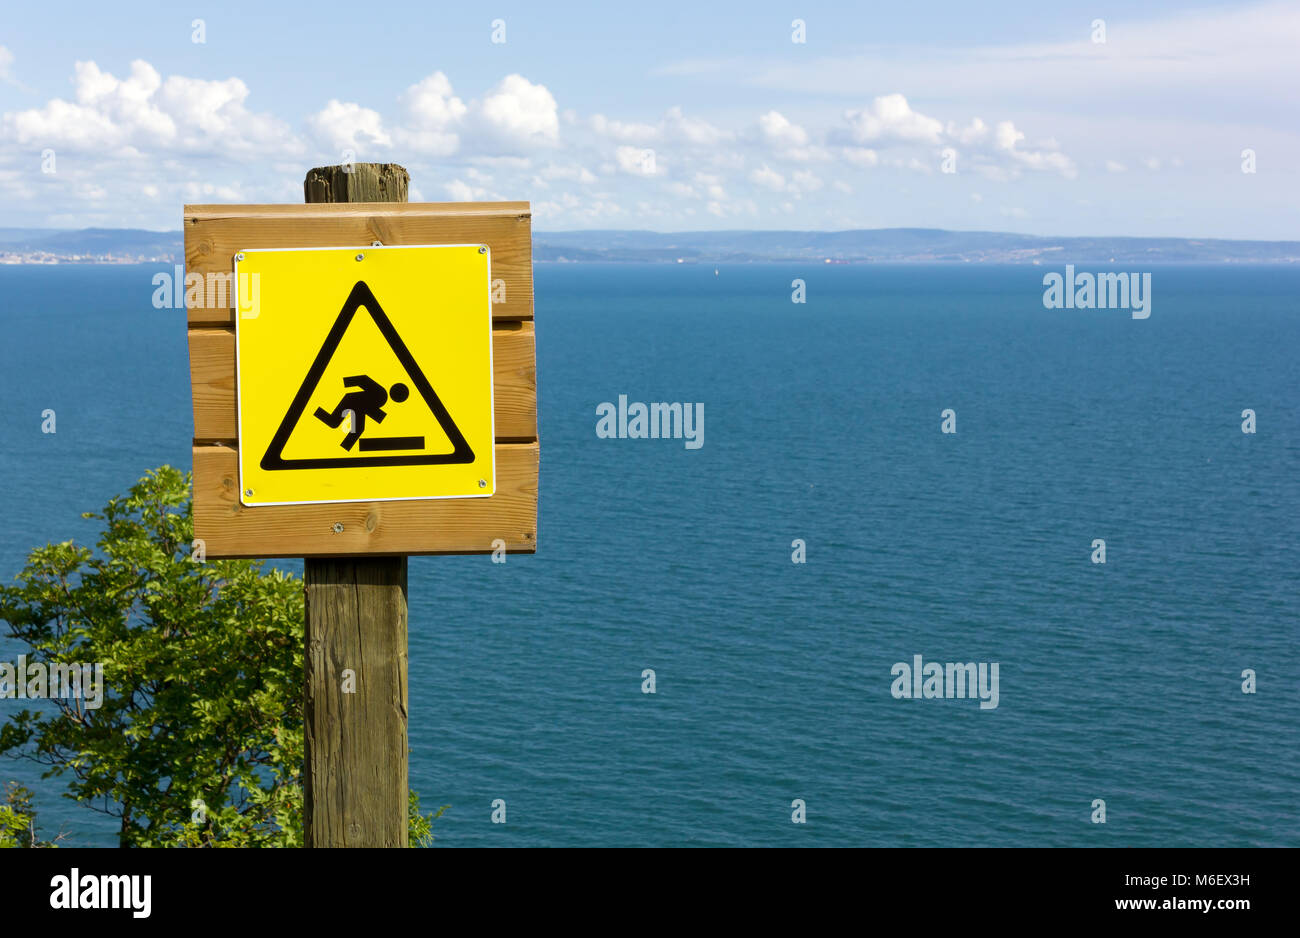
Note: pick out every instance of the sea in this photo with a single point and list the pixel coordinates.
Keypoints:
(777, 697)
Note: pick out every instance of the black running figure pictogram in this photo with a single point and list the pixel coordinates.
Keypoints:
(367, 401)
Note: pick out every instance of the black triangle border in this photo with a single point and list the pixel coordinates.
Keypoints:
(361, 295)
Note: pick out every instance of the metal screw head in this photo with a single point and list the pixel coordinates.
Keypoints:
(359, 256)
(338, 527)
(482, 483)
(482, 248)
(248, 491)
(239, 257)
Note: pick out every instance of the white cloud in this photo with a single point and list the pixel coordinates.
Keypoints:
(63, 124)
(460, 191)
(674, 127)
(1196, 61)
(779, 132)
(210, 192)
(1005, 159)
(712, 185)
(514, 115)
(911, 163)
(637, 161)
(521, 112)
(891, 118)
(144, 113)
(861, 156)
(432, 104)
(570, 173)
(768, 178)
(1192, 80)
(433, 115)
(625, 132)
(139, 135)
(1006, 136)
(501, 162)
(787, 140)
(973, 133)
(348, 126)
(805, 181)
(214, 113)
(692, 130)
(569, 209)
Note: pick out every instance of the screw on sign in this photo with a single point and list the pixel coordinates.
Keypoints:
(377, 404)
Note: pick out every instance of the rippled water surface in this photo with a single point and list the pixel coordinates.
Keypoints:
(822, 422)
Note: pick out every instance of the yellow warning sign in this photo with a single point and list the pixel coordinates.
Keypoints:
(364, 374)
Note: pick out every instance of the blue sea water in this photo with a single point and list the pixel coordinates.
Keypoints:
(822, 422)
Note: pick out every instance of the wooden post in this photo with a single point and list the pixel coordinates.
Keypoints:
(355, 780)
(355, 682)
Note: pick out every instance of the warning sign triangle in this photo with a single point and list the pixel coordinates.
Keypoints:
(365, 401)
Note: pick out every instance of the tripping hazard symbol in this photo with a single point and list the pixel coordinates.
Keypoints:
(365, 374)
(362, 404)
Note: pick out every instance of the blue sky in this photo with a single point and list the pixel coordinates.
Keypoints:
(669, 116)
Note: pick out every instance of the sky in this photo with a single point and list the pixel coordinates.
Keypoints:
(1055, 118)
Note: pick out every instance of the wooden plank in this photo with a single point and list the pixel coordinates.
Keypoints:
(514, 377)
(355, 779)
(514, 381)
(215, 233)
(212, 384)
(428, 526)
(363, 209)
(355, 774)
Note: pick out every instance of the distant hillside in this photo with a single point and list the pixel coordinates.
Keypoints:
(92, 244)
(899, 245)
(18, 235)
(877, 245)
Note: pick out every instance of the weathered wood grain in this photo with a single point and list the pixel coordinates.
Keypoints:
(374, 182)
(514, 380)
(212, 384)
(419, 526)
(355, 773)
(215, 233)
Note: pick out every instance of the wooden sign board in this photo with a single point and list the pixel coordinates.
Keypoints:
(405, 519)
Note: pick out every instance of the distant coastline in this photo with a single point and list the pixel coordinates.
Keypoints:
(867, 246)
